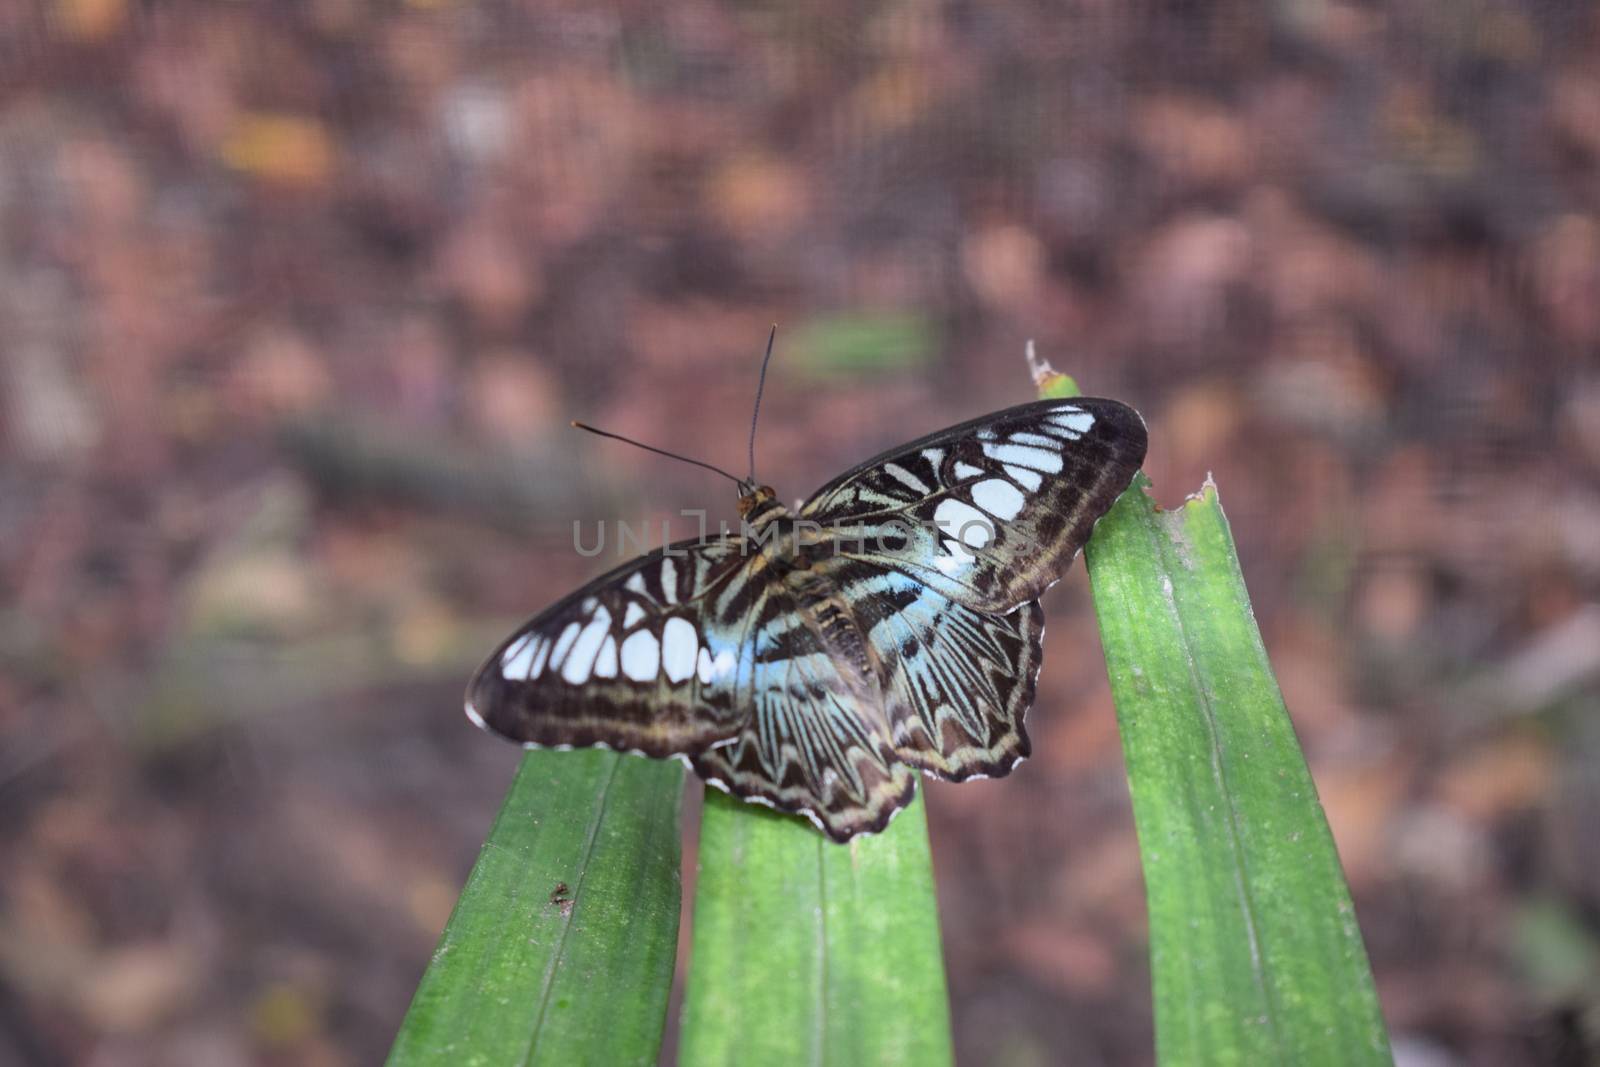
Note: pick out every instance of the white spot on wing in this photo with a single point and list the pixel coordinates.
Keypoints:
(906, 478)
(564, 642)
(641, 656)
(633, 614)
(999, 498)
(635, 583)
(669, 579)
(576, 670)
(1031, 480)
(606, 665)
(1072, 419)
(582, 657)
(518, 658)
(1037, 439)
(1025, 456)
(967, 470)
(965, 521)
(958, 560)
(679, 643)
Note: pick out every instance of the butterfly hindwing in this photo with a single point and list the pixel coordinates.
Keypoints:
(744, 770)
(991, 512)
(634, 661)
(957, 683)
(816, 741)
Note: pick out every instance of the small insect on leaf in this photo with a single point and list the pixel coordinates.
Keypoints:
(560, 898)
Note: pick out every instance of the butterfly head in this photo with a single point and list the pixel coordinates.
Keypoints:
(756, 501)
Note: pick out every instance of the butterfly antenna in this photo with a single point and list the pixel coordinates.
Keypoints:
(657, 451)
(761, 384)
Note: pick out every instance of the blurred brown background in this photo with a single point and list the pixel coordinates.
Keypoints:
(296, 300)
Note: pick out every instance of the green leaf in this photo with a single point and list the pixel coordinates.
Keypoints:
(806, 951)
(561, 947)
(1254, 946)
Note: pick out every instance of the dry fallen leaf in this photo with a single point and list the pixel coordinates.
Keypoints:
(282, 149)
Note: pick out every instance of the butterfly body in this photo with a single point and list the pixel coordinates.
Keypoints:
(817, 659)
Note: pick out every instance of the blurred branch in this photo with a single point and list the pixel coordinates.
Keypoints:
(350, 458)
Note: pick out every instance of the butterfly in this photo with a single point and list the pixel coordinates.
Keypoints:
(815, 660)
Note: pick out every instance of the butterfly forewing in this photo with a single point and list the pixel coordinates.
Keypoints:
(991, 512)
(634, 660)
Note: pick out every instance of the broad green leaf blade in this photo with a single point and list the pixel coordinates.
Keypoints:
(561, 947)
(1256, 954)
(805, 951)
